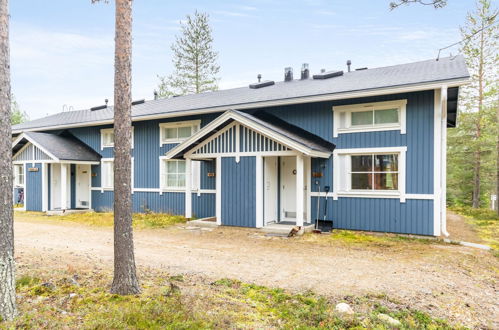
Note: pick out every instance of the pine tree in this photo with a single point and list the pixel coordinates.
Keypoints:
(480, 51)
(17, 115)
(8, 308)
(125, 274)
(194, 60)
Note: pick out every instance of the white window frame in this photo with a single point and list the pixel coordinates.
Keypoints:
(110, 188)
(195, 176)
(111, 130)
(104, 175)
(401, 105)
(16, 176)
(194, 124)
(342, 173)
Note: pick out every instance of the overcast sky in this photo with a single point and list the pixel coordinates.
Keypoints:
(62, 51)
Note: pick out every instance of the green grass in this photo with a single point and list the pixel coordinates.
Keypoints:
(485, 221)
(354, 238)
(140, 220)
(225, 303)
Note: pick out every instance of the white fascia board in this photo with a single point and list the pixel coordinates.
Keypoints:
(369, 150)
(305, 99)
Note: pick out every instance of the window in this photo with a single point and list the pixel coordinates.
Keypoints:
(107, 138)
(18, 175)
(369, 172)
(173, 174)
(374, 172)
(178, 131)
(378, 116)
(107, 174)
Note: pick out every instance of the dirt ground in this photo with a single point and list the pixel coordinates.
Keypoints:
(449, 281)
(460, 230)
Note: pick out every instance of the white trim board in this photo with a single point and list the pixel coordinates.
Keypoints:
(297, 100)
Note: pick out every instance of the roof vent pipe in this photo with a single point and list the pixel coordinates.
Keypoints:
(155, 95)
(106, 101)
(323, 70)
(348, 65)
(288, 74)
(305, 73)
(259, 77)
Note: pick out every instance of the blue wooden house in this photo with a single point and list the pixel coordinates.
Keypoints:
(370, 143)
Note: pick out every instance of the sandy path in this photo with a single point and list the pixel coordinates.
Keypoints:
(443, 279)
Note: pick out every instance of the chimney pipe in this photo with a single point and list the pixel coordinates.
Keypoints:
(305, 72)
(259, 77)
(323, 70)
(155, 95)
(348, 64)
(288, 74)
(106, 101)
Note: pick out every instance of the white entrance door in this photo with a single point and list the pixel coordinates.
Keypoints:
(55, 187)
(288, 188)
(270, 189)
(82, 186)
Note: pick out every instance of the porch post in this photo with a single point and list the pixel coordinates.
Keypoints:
(64, 186)
(259, 191)
(218, 178)
(300, 176)
(188, 194)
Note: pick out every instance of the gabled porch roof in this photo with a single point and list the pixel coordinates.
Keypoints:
(266, 124)
(56, 148)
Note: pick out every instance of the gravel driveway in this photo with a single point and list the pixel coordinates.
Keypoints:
(452, 282)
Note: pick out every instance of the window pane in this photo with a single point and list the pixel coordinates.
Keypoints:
(386, 181)
(110, 137)
(362, 163)
(181, 166)
(385, 163)
(181, 180)
(171, 180)
(388, 116)
(170, 133)
(362, 118)
(184, 132)
(361, 181)
(171, 166)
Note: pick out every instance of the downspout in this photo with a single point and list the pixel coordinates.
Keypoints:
(443, 163)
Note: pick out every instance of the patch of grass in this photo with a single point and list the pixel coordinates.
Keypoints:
(226, 303)
(363, 238)
(485, 221)
(106, 219)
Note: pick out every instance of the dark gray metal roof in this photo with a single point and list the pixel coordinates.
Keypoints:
(412, 74)
(64, 147)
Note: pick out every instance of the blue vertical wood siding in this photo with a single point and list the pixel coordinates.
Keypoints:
(378, 214)
(33, 193)
(239, 192)
(203, 206)
(318, 119)
(239, 188)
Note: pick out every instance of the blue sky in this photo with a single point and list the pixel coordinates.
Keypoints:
(62, 51)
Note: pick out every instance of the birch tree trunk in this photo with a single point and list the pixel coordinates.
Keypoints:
(125, 276)
(7, 268)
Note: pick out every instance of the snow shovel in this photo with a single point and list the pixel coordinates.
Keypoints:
(316, 229)
(326, 225)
